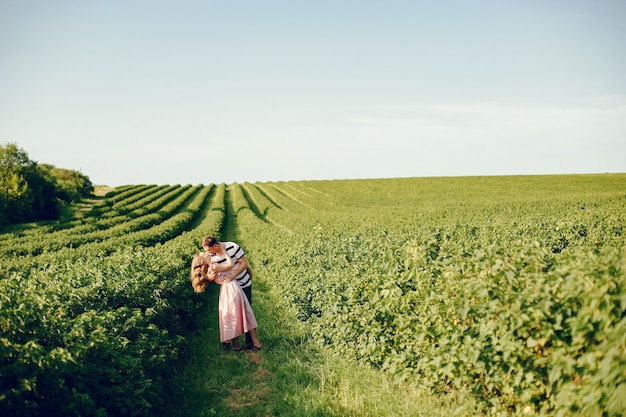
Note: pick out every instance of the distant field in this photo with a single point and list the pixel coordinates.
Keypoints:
(512, 288)
(102, 190)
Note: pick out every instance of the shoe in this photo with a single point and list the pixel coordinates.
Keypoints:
(256, 348)
(236, 349)
(225, 345)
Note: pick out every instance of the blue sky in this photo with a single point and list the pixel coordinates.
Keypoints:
(199, 92)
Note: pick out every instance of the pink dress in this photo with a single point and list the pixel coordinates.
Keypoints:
(235, 312)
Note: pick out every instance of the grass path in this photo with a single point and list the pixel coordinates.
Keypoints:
(291, 376)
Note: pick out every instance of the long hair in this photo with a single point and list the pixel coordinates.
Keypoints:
(198, 274)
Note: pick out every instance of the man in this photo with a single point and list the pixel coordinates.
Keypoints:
(241, 270)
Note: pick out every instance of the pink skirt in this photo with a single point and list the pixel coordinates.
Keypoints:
(235, 312)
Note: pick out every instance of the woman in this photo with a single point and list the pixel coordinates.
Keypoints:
(235, 313)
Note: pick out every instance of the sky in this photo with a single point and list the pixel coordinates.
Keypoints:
(199, 92)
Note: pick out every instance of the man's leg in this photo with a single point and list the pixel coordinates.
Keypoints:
(248, 292)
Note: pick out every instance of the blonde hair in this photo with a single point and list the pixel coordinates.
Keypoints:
(198, 273)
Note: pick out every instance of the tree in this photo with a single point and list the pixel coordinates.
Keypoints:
(32, 192)
(71, 185)
(15, 194)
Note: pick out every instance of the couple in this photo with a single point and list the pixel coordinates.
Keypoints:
(225, 263)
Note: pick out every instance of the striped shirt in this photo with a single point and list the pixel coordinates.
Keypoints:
(236, 253)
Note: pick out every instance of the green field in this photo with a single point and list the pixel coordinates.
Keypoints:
(409, 296)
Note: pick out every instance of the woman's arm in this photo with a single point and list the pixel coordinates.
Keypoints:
(242, 264)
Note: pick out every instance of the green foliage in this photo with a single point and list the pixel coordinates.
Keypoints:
(91, 336)
(93, 329)
(71, 185)
(31, 192)
(16, 197)
(515, 293)
(510, 288)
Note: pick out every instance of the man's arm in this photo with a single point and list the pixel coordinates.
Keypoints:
(242, 264)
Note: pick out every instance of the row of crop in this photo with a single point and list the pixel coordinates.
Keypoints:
(94, 333)
(510, 191)
(257, 202)
(560, 222)
(155, 198)
(135, 201)
(40, 229)
(58, 360)
(119, 194)
(269, 204)
(497, 322)
(135, 206)
(95, 220)
(160, 209)
(482, 298)
(110, 242)
(521, 329)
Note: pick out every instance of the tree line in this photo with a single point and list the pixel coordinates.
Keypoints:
(30, 191)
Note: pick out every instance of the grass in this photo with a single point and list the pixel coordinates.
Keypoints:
(290, 376)
(102, 190)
